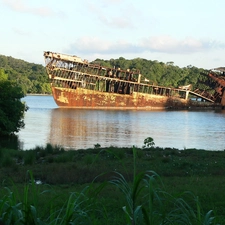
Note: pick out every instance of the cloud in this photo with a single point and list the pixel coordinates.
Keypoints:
(22, 7)
(156, 44)
(110, 15)
(89, 45)
(116, 22)
(168, 44)
(113, 1)
(21, 32)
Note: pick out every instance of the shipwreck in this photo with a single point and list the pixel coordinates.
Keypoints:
(76, 83)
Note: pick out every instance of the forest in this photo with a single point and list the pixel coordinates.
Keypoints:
(33, 79)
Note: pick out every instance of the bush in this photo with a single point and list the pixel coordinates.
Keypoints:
(29, 157)
(7, 161)
(148, 142)
(11, 108)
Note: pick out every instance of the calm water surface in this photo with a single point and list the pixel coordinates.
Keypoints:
(75, 128)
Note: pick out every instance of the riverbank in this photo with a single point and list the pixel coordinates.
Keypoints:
(64, 172)
(167, 162)
(30, 94)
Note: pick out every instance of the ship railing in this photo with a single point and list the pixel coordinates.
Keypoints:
(62, 67)
(116, 85)
(70, 62)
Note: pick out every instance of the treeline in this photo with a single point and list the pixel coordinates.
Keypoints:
(165, 74)
(33, 77)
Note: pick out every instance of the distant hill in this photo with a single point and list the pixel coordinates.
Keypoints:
(30, 76)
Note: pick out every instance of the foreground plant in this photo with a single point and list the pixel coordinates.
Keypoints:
(146, 202)
(80, 208)
(149, 204)
(14, 210)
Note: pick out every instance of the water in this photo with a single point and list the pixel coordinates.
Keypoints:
(82, 129)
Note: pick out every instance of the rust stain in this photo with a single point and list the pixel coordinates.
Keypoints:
(62, 98)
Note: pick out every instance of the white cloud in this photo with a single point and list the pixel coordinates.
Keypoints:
(116, 22)
(168, 44)
(23, 7)
(21, 32)
(161, 44)
(90, 45)
(111, 15)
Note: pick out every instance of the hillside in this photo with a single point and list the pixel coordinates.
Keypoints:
(30, 76)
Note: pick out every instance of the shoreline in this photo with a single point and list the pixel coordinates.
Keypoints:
(38, 95)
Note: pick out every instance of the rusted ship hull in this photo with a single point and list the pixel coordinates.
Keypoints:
(88, 99)
(78, 84)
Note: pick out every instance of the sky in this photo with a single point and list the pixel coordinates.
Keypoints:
(185, 32)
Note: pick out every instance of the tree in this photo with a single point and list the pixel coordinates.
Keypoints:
(148, 142)
(25, 74)
(11, 108)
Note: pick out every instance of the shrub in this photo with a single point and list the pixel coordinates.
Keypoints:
(96, 146)
(88, 159)
(148, 142)
(49, 148)
(29, 157)
(7, 161)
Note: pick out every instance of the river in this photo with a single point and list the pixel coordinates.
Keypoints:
(82, 128)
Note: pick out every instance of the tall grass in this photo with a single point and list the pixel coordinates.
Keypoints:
(147, 203)
(144, 200)
(17, 210)
(82, 207)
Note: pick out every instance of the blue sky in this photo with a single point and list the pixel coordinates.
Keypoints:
(186, 32)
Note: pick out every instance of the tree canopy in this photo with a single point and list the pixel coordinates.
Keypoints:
(165, 74)
(11, 108)
(31, 77)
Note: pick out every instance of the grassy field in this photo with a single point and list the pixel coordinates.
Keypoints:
(151, 185)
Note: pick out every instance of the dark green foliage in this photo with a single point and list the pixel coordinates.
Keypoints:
(49, 148)
(9, 141)
(29, 158)
(148, 142)
(11, 108)
(165, 74)
(7, 160)
(32, 78)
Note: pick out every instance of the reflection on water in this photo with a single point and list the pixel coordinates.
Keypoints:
(85, 128)
(72, 128)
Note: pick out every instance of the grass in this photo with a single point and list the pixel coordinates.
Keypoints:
(112, 186)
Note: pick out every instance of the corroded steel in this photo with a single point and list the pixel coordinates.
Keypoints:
(78, 84)
(219, 86)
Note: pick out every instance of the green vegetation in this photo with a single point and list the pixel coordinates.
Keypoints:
(11, 108)
(165, 74)
(112, 185)
(32, 78)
